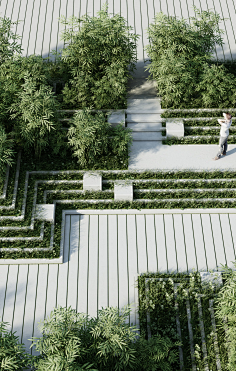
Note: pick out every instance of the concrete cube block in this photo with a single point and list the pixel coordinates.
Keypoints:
(174, 128)
(123, 190)
(116, 117)
(92, 182)
(45, 212)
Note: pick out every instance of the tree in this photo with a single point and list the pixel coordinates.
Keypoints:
(217, 87)
(9, 46)
(36, 115)
(98, 52)
(178, 52)
(88, 137)
(6, 151)
(12, 78)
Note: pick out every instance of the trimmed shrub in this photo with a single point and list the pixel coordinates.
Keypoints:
(225, 309)
(157, 353)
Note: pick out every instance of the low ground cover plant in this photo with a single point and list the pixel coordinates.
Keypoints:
(194, 113)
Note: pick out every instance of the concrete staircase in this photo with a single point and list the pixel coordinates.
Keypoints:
(144, 118)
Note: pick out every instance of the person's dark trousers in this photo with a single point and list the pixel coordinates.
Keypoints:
(222, 146)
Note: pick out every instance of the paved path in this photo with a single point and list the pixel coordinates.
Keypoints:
(154, 155)
(104, 251)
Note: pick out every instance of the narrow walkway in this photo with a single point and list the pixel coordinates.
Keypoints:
(153, 155)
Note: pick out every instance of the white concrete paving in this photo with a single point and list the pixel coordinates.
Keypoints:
(104, 252)
(154, 155)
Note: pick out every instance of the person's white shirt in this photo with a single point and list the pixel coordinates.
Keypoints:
(225, 125)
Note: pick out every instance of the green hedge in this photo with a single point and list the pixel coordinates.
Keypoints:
(157, 298)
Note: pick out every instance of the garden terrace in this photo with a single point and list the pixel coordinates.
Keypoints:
(24, 233)
(200, 126)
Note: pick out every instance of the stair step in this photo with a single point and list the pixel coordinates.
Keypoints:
(147, 135)
(146, 126)
(139, 105)
(144, 117)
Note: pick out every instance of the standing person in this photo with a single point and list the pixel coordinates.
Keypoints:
(224, 133)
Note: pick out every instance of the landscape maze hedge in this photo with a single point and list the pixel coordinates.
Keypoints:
(182, 307)
(200, 126)
(22, 236)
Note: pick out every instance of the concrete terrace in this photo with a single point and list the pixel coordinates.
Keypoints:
(104, 252)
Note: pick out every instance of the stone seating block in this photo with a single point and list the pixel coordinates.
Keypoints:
(116, 117)
(45, 212)
(123, 190)
(92, 182)
(174, 128)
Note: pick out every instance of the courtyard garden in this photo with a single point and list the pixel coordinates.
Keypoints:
(54, 129)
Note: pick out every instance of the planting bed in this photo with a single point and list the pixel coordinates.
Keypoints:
(26, 185)
(182, 307)
(200, 126)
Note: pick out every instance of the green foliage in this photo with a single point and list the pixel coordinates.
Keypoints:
(178, 52)
(6, 152)
(12, 353)
(12, 79)
(157, 354)
(112, 339)
(93, 140)
(217, 87)
(73, 341)
(88, 136)
(225, 310)
(198, 140)
(160, 294)
(194, 113)
(98, 53)
(60, 346)
(35, 114)
(8, 40)
(120, 142)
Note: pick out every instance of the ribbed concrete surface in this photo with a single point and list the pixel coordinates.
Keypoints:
(104, 252)
(40, 28)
